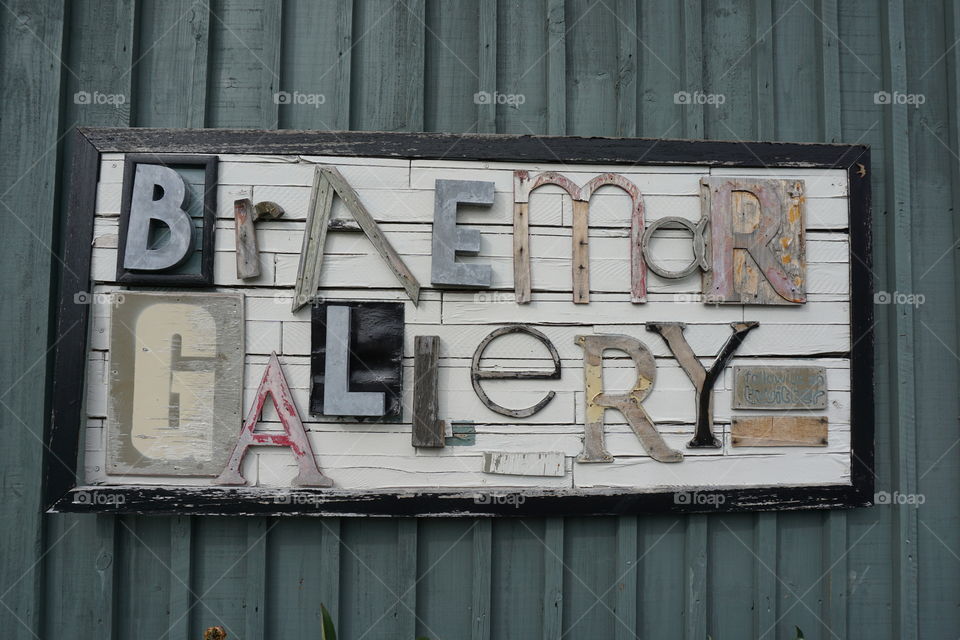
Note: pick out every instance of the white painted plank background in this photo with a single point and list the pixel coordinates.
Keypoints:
(399, 194)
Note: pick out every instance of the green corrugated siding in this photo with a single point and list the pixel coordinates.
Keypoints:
(798, 71)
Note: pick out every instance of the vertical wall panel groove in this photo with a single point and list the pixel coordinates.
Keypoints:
(553, 578)
(556, 68)
(453, 52)
(928, 30)
(487, 65)
(315, 61)
(481, 568)
(764, 96)
(83, 566)
(627, 68)
(625, 578)
(181, 583)
(940, 586)
(901, 346)
(407, 571)
(692, 55)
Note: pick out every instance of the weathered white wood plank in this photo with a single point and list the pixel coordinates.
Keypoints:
(820, 183)
(518, 463)
(382, 472)
(801, 469)
(385, 176)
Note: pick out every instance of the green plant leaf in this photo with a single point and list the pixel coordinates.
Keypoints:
(327, 630)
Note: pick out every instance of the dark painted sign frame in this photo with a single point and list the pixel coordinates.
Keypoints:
(63, 433)
(205, 277)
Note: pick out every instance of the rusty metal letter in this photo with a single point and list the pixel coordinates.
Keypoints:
(477, 374)
(629, 404)
(294, 436)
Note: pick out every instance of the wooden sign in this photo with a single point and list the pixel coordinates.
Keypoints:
(416, 324)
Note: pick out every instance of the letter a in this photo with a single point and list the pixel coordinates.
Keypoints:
(294, 436)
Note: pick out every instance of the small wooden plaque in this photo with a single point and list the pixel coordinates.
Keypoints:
(779, 431)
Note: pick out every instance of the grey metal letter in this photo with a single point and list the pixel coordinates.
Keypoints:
(338, 400)
(167, 210)
(449, 239)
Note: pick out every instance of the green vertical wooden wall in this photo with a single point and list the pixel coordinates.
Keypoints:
(795, 70)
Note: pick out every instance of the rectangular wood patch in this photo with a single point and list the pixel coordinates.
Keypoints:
(547, 463)
(779, 431)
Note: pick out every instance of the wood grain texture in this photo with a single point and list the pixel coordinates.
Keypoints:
(372, 230)
(428, 429)
(550, 463)
(778, 431)
(310, 263)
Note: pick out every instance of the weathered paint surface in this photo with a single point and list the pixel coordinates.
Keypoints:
(175, 382)
(524, 186)
(757, 240)
(477, 374)
(629, 404)
(537, 463)
(428, 430)
(805, 71)
(779, 431)
(294, 437)
(244, 215)
(767, 387)
(703, 379)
